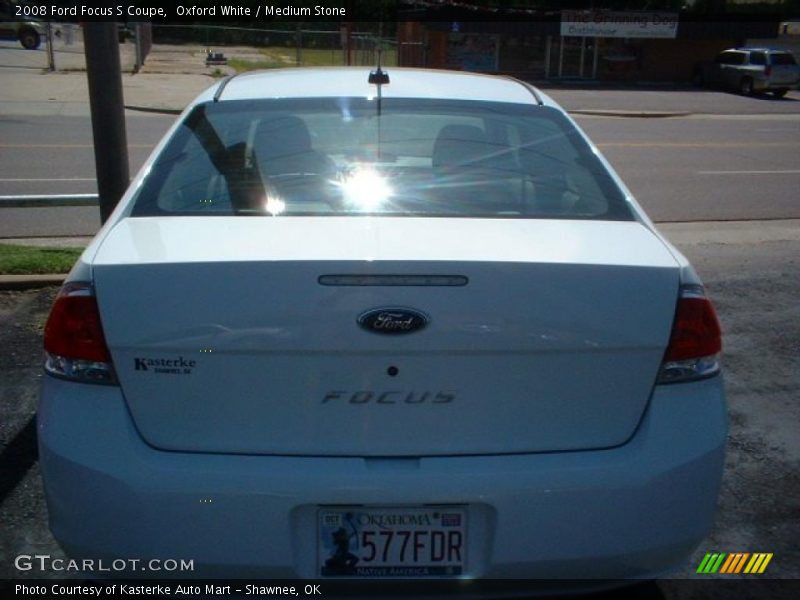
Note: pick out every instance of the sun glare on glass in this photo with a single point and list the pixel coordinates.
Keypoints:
(274, 205)
(365, 188)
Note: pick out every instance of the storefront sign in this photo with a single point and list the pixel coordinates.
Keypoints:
(588, 23)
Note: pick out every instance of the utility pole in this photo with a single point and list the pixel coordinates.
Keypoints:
(101, 44)
(348, 49)
(298, 40)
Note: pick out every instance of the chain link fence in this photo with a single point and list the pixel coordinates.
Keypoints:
(56, 47)
(237, 49)
(186, 49)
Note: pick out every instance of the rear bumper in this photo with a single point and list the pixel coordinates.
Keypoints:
(634, 511)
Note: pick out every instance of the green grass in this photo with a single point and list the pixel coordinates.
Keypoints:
(276, 57)
(28, 260)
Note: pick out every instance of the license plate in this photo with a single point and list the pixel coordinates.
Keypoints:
(392, 542)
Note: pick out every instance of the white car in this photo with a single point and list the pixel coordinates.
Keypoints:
(365, 325)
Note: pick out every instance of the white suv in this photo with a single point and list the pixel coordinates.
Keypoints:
(749, 70)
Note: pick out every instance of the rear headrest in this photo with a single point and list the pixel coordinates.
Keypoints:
(281, 136)
(459, 145)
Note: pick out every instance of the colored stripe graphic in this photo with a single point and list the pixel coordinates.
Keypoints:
(720, 562)
(742, 559)
(765, 563)
(734, 562)
(717, 564)
(754, 562)
(711, 562)
(726, 566)
(703, 563)
(758, 563)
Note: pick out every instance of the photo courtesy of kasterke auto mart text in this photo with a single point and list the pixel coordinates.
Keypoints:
(161, 590)
(355, 323)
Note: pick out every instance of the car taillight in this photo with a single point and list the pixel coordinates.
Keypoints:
(768, 71)
(74, 344)
(696, 340)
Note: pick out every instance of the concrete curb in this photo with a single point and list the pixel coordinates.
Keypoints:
(154, 109)
(30, 282)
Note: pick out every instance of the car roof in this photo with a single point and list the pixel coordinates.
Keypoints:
(311, 82)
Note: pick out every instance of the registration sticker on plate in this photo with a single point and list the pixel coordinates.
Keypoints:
(392, 542)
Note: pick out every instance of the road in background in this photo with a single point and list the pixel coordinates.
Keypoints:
(679, 100)
(705, 167)
(55, 155)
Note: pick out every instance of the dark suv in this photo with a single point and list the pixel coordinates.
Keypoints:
(750, 70)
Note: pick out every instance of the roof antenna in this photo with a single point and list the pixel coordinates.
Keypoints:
(379, 77)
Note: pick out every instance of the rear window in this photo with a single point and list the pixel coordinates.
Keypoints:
(782, 58)
(758, 58)
(348, 156)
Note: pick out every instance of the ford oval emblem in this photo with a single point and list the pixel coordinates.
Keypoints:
(393, 320)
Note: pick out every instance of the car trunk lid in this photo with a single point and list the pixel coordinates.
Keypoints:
(241, 335)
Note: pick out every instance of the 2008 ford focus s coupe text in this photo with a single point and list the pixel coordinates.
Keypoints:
(355, 324)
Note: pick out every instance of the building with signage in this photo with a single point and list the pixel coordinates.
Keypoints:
(573, 44)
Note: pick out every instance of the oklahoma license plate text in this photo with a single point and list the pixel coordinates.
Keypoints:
(392, 542)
